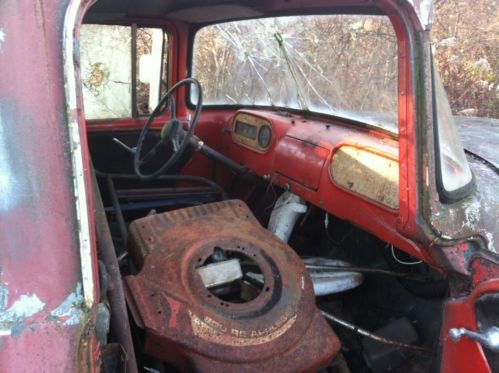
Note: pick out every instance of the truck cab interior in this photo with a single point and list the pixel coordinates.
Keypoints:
(247, 159)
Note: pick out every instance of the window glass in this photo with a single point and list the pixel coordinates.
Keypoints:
(344, 65)
(151, 45)
(106, 68)
(106, 62)
(455, 170)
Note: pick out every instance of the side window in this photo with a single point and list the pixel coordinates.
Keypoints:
(152, 69)
(124, 70)
(106, 62)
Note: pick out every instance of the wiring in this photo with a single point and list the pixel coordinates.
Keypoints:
(328, 235)
(365, 333)
(402, 261)
(270, 187)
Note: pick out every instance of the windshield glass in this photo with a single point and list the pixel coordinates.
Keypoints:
(454, 169)
(344, 65)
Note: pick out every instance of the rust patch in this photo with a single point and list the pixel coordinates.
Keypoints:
(184, 322)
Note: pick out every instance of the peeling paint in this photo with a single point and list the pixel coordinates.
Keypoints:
(71, 309)
(472, 214)
(491, 243)
(71, 22)
(4, 296)
(26, 306)
(12, 319)
(69, 312)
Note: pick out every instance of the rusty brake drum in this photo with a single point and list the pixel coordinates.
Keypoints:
(271, 324)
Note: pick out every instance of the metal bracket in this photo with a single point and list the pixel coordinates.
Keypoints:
(489, 338)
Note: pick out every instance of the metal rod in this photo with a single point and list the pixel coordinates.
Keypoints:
(135, 113)
(150, 193)
(117, 210)
(119, 316)
(195, 179)
(365, 270)
(211, 153)
(370, 335)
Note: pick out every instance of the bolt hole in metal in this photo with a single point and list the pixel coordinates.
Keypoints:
(231, 276)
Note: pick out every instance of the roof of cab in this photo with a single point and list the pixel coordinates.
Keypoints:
(210, 11)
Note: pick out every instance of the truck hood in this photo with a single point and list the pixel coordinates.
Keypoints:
(480, 136)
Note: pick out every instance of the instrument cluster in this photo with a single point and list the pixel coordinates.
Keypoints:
(252, 131)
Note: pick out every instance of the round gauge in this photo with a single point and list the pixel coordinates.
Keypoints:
(264, 137)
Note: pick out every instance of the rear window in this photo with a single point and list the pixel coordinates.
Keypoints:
(345, 65)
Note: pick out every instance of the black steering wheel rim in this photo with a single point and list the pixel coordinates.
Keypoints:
(138, 161)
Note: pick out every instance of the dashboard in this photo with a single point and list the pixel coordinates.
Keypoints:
(347, 170)
(303, 150)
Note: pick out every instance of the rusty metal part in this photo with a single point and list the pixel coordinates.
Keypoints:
(117, 209)
(163, 193)
(173, 178)
(113, 358)
(119, 317)
(368, 334)
(280, 329)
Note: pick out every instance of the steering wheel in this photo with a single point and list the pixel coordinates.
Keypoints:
(172, 132)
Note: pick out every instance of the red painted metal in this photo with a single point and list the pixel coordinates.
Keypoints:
(307, 160)
(185, 323)
(483, 268)
(40, 264)
(464, 355)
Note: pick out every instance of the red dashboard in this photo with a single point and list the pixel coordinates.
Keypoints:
(349, 171)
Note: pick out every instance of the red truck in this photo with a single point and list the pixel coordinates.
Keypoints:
(211, 185)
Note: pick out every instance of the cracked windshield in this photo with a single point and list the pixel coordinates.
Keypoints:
(343, 65)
